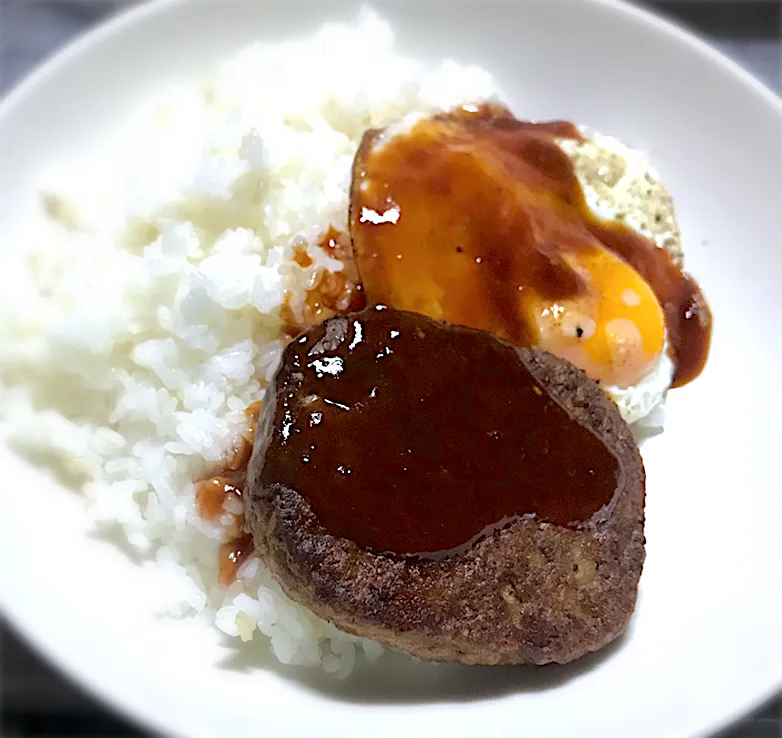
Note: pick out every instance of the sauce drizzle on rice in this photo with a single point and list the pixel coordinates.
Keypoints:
(232, 555)
(330, 293)
(219, 497)
(219, 494)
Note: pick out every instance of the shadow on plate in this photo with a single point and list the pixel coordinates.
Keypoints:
(48, 462)
(398, 679)
(116, 537)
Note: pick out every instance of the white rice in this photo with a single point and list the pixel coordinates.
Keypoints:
(153, 295)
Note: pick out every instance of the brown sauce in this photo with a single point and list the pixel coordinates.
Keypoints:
(232, 555)
(221, 486)
(335, 243)
(478, 209)
(301, 257)
(332, 293)
(413, 437)
(687, 314)
(211, 494)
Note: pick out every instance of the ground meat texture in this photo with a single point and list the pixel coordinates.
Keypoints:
(519, 589)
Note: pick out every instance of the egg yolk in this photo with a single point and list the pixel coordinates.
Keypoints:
(615, 331)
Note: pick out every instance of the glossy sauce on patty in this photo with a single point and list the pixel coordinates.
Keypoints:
(416, 438)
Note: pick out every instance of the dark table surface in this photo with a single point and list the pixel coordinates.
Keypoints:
(37, 701)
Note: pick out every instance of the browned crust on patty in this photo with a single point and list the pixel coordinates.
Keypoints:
(531, 593)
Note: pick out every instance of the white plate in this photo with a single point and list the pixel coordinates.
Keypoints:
(706, 643)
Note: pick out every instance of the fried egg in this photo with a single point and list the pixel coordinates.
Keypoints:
(473, 217)
(620, 183)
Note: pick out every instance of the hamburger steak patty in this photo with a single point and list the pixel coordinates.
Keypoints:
(518, 589)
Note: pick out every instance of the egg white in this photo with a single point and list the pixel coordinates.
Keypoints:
(621, 184)
(636, 402)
